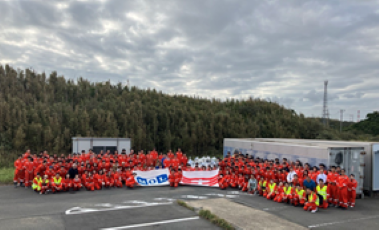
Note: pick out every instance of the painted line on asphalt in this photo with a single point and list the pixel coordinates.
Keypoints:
(152, 223)
(342, 222)
(79, 210)
(275, 208)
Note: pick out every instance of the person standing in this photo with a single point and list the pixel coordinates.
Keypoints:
(351, 190)
(323, 192)
(343, 180)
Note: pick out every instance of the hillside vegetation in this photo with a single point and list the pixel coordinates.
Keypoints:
(44, 112)
(367, 126)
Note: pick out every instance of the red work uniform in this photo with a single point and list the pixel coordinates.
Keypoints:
(117, 177)
(242, 184)
(67, 184)
(351, 191)
(109, 182)
(311, 204)
(90, 185)
(332, 186)
(342, 186)
(76, 184)
(130, 181)
(29, 167)
(56, 184)
(279, 194)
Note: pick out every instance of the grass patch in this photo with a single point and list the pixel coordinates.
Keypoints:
(184, 204)
(206, 214)
(6, 175)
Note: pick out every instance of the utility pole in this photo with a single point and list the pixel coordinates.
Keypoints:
(325, 111)
(358, 115)
(341, 118)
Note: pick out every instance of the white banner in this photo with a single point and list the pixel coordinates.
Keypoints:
(158, 177)
(200, 178)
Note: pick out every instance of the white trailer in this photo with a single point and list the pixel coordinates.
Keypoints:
(348, 157)
(97, 144)
(371, 157)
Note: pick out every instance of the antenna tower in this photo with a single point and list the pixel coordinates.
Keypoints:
(325, 111)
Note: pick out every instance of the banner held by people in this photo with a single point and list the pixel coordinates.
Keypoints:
(200, 178)
(157, 177)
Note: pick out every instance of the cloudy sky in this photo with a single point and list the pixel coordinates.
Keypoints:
(280, 50)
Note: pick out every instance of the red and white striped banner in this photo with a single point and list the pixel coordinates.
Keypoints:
(200, 178)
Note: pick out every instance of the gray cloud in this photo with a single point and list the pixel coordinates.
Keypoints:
(211, 48)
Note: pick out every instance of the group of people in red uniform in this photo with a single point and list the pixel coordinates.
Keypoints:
(289, 182)
(44, 172)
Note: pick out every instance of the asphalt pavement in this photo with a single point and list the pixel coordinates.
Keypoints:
(155, 208)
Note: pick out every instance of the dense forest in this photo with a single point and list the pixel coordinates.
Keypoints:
(368, 126)
(44, 112)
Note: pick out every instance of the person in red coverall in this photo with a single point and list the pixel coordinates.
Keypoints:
(17, 166)
(56, 183)
(299, 196)
(76, 183)
(171, 178)
(117, 177)
(29, 168)
(233, 180)
(130, 181)
(109, 182)
(45, 185)
(97, 180)
(332, 186)
(271, 188)
(312, 200)
(178, 177)
(222, 182)
(242, 183)
(351, 191)
(343, 180)
(288, 193)
(67, 184)
(279, 193)
(90, 185)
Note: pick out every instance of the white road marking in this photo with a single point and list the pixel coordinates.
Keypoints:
(107, 205)
(274, 208)
(135, 202)
(231, 196)
(151, 224)
(234, 192)
(342, 222)
(168, 199)
(215, 194)
(79, 210)
(194, 197)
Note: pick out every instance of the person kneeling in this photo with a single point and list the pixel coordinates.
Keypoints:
(76, 183)
(130, 181)
(312, 201)
(252, 185)
(57, 183)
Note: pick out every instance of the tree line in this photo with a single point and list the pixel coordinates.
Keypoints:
(43, 112)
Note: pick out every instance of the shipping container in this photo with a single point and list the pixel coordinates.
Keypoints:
(349, 157)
